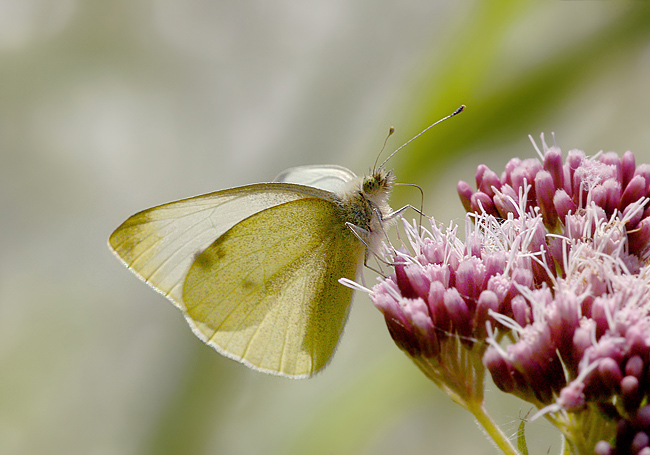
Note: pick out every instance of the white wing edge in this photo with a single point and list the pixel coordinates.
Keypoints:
(230, 355)
(328, 177)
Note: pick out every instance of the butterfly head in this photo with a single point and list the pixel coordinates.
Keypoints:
(376, 188)
(378, 184)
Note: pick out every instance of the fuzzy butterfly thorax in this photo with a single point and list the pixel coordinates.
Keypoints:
(364, 204)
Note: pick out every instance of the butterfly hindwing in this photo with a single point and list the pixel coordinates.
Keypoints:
(266, 292)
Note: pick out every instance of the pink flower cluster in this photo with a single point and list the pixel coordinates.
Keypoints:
(445, 288)
(612, 184)
(550, 288)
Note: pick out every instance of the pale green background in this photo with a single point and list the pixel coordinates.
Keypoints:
(107, 108)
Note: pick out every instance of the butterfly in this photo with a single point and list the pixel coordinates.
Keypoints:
(255, 269)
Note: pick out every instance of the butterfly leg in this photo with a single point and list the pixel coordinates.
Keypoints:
(421, 199)
(362, 234)
(390, 217)
(399, 211)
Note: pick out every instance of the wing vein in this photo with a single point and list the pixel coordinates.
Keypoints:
(179, 250)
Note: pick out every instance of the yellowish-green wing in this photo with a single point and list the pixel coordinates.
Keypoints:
(160, 244)
(266, 293)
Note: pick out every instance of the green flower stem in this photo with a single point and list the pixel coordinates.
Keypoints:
(460, 373)
(491, 428)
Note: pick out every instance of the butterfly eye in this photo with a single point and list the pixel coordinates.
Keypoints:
(370, 185)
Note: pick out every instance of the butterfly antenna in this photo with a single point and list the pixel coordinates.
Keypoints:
(391, 130)
(456, 112)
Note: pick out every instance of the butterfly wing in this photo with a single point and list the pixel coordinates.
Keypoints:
(160, 244)
(326, 177)
(266, 292)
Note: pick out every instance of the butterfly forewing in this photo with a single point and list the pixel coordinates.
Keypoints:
(266, 292)
(160, 244)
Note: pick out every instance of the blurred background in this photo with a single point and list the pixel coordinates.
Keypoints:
(107, 108)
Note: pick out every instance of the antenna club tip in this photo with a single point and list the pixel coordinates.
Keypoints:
(391, 130)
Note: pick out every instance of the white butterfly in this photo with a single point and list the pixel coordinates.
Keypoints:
(255, 269)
